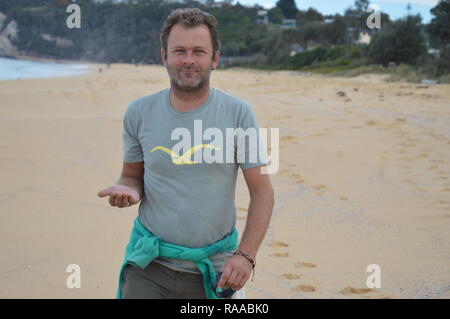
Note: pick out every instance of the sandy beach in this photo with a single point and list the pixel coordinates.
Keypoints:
(363, 179)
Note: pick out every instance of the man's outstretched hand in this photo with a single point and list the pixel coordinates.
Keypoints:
(120, 195)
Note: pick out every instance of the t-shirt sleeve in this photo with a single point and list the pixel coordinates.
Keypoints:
(251, 148)
(132, 148)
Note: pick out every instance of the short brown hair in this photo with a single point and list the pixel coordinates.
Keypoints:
(188, 18)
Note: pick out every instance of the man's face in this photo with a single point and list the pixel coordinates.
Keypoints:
(189, 57)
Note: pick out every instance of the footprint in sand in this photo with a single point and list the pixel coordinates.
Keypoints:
(291, 276)
(298, 179)
(280, 255)
(294, 176)
(278, 244)
(301, 264)
(319, 187)
(320, 134)
(357, 291)
(362, 292)
(288, 138)
(306, 288)
(404, 94)
(371, 122)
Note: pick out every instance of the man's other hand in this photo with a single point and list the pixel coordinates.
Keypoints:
(235, 273)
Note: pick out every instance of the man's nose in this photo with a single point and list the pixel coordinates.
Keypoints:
(188, 58)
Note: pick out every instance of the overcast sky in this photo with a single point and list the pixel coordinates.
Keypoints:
(395, 8)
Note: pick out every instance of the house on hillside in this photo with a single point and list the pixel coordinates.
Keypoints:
(262, 17)
(357, 36)
(364, 38)
(435, 53)
(296, 48)
(288, 24)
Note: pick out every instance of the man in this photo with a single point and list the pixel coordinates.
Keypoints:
(187, 206)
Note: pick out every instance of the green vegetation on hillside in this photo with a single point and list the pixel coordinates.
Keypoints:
(128, 31)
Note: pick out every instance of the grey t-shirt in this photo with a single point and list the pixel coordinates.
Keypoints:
(189, 200)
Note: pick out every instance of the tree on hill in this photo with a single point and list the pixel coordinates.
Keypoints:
(401, 42)
(275, 15)
(439, 26)
(310, 15)
(439, 29)
(288, 8)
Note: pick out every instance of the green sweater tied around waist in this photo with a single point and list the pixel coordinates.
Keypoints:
(144, 246)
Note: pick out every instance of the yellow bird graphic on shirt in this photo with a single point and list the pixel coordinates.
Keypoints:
(185, 158)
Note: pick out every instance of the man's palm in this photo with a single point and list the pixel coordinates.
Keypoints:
(120, 195)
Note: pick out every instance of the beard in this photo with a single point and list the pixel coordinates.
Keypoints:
(188, 82)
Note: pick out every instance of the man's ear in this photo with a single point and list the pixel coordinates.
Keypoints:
(216, 60)
(163, 57)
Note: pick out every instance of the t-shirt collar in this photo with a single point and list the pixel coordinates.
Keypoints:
(190, 112)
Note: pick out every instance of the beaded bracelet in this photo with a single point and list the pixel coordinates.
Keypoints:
(249, 258)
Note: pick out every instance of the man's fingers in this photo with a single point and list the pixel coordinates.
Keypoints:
(112, 199)
(122, 200)
(239, 282)
(125, 201)
(231, 280)
(129, 199)
(242, 280)
(104, 192)
(119, 200)
(224, 278)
